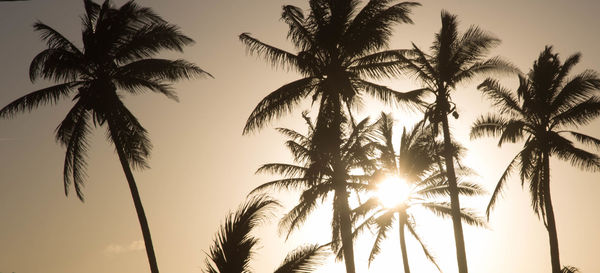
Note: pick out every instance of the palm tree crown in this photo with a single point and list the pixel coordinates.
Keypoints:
(117, 58)
(454, 59)
(546, 104)
(316, 182)
(118, 46)
(337, 50)
(418, 163)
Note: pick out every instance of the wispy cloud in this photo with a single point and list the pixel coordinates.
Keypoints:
(115, 249)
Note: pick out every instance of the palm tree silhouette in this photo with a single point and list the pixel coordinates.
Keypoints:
(417, 162)
(317, 181)
(118, 49)
(234, 245)
(545, 105)
(455, 58)
(339, 47)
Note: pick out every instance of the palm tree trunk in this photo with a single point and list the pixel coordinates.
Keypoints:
(550, 220)
(341, 202)
(401, 223)
(136, 201)
(346, 232)
(454, 200)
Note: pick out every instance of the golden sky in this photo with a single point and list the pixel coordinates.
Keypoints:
(202, 167)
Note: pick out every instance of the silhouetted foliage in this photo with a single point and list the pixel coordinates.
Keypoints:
(570, 269)
(338, 47)
(454, 59)
(317, 181)
(117, 55)
(417, 161)
(234, 245)
(547, 102)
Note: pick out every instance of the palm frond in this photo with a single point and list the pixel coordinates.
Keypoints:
(304, 259)
(466, 215)
(501, 184)
(275, 56)
(48, 95)
(233, 245)
(279, 102)
(411, 228)
(488, 125)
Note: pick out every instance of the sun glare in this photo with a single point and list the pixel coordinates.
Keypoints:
(392, 191)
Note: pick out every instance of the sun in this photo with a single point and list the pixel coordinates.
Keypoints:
(392, 191)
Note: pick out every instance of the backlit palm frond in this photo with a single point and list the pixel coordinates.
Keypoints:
(125, 129)
(287, 184)
(57, 64)
(286, 170)
(565, 150)
(443, 209)
(411, 228)
(233, 246)
(384, 224)
(489, 125)
(501, 97)
(161, 69)
(569, 269)
(279, 102)
(299, 33)
(578, 89)
(586, 139)
(307, 203)
(72, 133)
(54, 39)
(275, 56)
(304, 259)
(410, 99)
(580, 114)
(370, 30)
(501, 184)
(149, 40)
(136, 86)
(49, 95)
(494, 65)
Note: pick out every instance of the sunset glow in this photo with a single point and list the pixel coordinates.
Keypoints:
(393, 191)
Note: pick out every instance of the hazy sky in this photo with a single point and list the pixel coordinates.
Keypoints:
(202, 167)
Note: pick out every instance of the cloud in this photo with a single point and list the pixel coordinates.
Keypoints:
(115, 249)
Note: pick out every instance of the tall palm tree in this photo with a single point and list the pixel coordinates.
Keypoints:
(234, 245)
(417, 163)
(116, 59)
(318, 181)
(339, 47)
(454, 59)
(546, 104)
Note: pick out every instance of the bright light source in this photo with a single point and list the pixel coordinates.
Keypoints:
(392, 191)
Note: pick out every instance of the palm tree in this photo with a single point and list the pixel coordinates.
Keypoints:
(455, 58)
(545, 105)
(117, 55)
(338, 47)
(317, 181)
(233, 246)
(418, 164)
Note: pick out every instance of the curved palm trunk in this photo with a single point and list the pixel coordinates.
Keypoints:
(454, 200)
(136, 201)
(401, 223)
(551, 221)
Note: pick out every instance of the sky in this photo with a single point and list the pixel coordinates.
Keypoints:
(202, 167)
